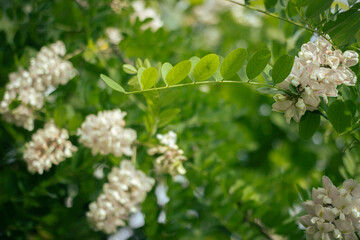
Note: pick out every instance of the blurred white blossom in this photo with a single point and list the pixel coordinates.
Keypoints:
(114, 35)
(160, 191)
(104, 133)
(48, 146)
(142, 13)
(171, 158)
(126, 190)
(334, 213)
(317, 71)
(47, 70)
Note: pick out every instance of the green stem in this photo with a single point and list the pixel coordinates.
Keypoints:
(283, 19)
(211, 82)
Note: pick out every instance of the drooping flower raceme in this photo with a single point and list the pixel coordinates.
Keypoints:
(317, 71)
(171, 158)
(48, 146)
(47, 70)
(125, 191)
(334, 213)
(104, 133)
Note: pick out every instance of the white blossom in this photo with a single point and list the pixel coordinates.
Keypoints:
(48, 146)
(317, 71)
(47, 70)
(142, 13)
(114, 35)
(104, 133)
(168, 139)
(334, 212)
(171, 158)
(125, 191)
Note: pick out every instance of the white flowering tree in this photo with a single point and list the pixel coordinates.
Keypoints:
(191, 119)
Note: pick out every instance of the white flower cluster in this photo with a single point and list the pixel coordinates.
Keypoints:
(334, 213)
(48, 146)
(114, 35)
(171, 157)
(104, 133)
(47, 70)
(316, 73)
(142, 12)
(126, 189)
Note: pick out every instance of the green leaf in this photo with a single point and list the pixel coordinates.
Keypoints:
(148, 78)
(206, 67)
(282, 68)
(62, 114)
(346, 26)
(340, 116)
(233, 63)
(129, 69)
(351, 2)
(178, 72)
(194, 60)
(270, 3)
(147, 63)
(139, 63)
(317, 7)
(167, 116)
(111, 83)
(217, 76)
(308, 125)
(257, 63)
(165, 68)
(267, 90)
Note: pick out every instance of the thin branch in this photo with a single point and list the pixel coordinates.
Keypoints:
(283, 19)
(211, 82)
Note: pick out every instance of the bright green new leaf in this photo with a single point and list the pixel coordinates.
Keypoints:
(165, 68)
(282, 68)
(139, 63)
(233, 63)
(308, 125)
(111, 83)
(148, 78)
(140, 72)
(340, 116)
(178, 72)
(147, 63)
(257, 63)
(206, 67)
(129, 69)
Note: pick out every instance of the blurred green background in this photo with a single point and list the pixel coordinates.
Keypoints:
(248, 170)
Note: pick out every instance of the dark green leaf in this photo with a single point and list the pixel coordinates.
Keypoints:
(282, 68)
(308, 125)
(206, 67)
(233, 62)
(344, 29)
(270, 3)
(257, 63)
(340, 116)
(317, 7)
